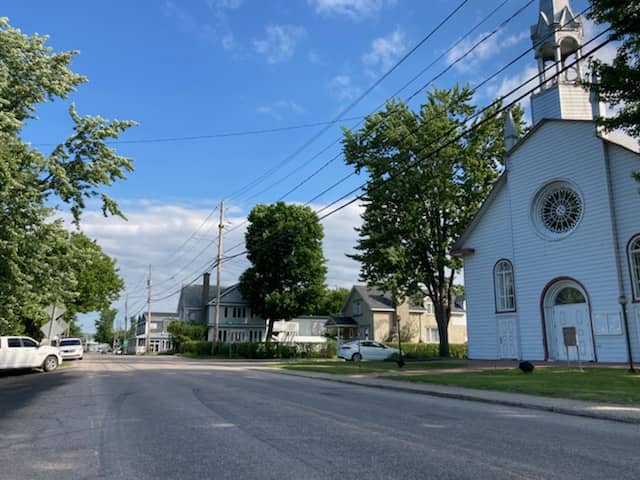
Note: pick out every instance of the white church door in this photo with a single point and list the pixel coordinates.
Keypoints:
(507, 338)
(571, 310)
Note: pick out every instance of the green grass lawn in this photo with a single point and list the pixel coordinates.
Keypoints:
(595, 384)
(353, 368)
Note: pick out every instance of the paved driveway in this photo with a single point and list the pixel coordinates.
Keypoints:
(167, 418)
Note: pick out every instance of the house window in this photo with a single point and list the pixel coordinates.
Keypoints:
(504, 286)
(634, 266)
(433, 336)
(226, 312)
(428, 307)
(357, 308)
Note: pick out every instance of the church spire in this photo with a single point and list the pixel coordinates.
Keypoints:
(552, 9)
(557, 42)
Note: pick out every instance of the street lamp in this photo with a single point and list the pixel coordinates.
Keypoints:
(622, 300)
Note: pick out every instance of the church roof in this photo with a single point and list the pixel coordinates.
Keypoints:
(458, 247)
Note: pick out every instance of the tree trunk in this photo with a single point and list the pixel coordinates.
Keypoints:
(269, 331)
(442, 312)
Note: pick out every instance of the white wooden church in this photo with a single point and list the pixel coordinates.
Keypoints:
(557, 242)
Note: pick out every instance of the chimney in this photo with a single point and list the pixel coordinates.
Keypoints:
(205, 296)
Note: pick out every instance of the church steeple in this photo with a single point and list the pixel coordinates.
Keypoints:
(557, 41)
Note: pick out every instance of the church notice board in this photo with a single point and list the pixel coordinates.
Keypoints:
(570, 337)
(607, 323)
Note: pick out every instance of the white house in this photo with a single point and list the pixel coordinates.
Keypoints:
(557, 242)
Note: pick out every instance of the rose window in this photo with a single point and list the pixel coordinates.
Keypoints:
(557, 210)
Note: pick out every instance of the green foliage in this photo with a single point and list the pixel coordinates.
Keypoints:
(426, 351)
(331, 302)
(255, 350)
(424, 186)
(39, 262)
(182, 332)
(104, 326)
(619, 81)
(284, 247)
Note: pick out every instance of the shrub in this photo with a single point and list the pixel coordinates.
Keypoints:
(424, 351)
(196, 347)
(261, 350)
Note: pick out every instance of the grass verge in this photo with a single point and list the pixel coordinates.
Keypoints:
(350, 368)
(592, 384)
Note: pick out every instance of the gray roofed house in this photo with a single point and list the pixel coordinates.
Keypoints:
(377, 319)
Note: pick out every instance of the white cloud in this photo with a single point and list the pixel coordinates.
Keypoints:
(486, 49)
(354, 9)
(280, 42)
(278, 109)
(214, 29)
(154, 231)
(384, 52)
(343, 88)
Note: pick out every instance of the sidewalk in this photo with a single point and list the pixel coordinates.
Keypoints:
(603, 411)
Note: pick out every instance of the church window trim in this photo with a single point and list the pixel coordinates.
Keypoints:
(633, 257)
(557, 210)
(504, 286)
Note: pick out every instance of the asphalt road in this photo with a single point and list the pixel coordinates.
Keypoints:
(168, 418)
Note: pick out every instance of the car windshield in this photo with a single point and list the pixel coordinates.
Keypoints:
(66, 343)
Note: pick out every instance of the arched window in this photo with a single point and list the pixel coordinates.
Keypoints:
(504, 287)
(634, 266)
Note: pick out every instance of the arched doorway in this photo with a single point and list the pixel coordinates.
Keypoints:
(565, 304)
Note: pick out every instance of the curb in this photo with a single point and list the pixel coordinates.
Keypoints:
(464, 396)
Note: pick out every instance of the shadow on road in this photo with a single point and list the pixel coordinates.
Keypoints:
(19, 388)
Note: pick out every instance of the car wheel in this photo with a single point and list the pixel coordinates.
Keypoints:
(356, 357)
(80, 358)
(50, 363)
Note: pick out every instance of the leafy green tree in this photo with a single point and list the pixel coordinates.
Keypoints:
(332, 302)
(97, 276)
(104, 326)
(35, 252)
(284, 247)
(421, 194)
(619, 81)
(186, 331)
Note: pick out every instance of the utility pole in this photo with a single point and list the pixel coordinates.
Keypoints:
(216, 316)
(125, 340)
(147, 326)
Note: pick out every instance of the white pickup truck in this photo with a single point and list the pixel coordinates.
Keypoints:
(25, 352)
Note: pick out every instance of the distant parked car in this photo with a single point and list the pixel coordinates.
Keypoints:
(25, 352)
(71, 349)
(358, 350)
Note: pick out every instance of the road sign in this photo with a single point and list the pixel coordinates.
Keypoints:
(59, 311)
(58, 328)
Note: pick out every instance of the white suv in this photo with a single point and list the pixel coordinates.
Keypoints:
(71, 348)
(25, 352)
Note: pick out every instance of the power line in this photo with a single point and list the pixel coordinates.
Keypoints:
(290, 157)
(457, 138)
(457, 60)
(240, 133)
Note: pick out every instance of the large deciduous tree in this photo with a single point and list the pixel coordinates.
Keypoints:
(424, 186)
(36, 253)
(619, 81)
(286, 276)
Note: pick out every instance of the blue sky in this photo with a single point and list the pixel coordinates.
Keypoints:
(203, 67)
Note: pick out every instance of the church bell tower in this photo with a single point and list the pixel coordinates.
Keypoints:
(557, 42)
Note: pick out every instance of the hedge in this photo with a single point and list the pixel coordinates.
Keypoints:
(261, 350)
(420, 351)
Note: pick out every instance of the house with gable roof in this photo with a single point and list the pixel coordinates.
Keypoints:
(370, 313)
